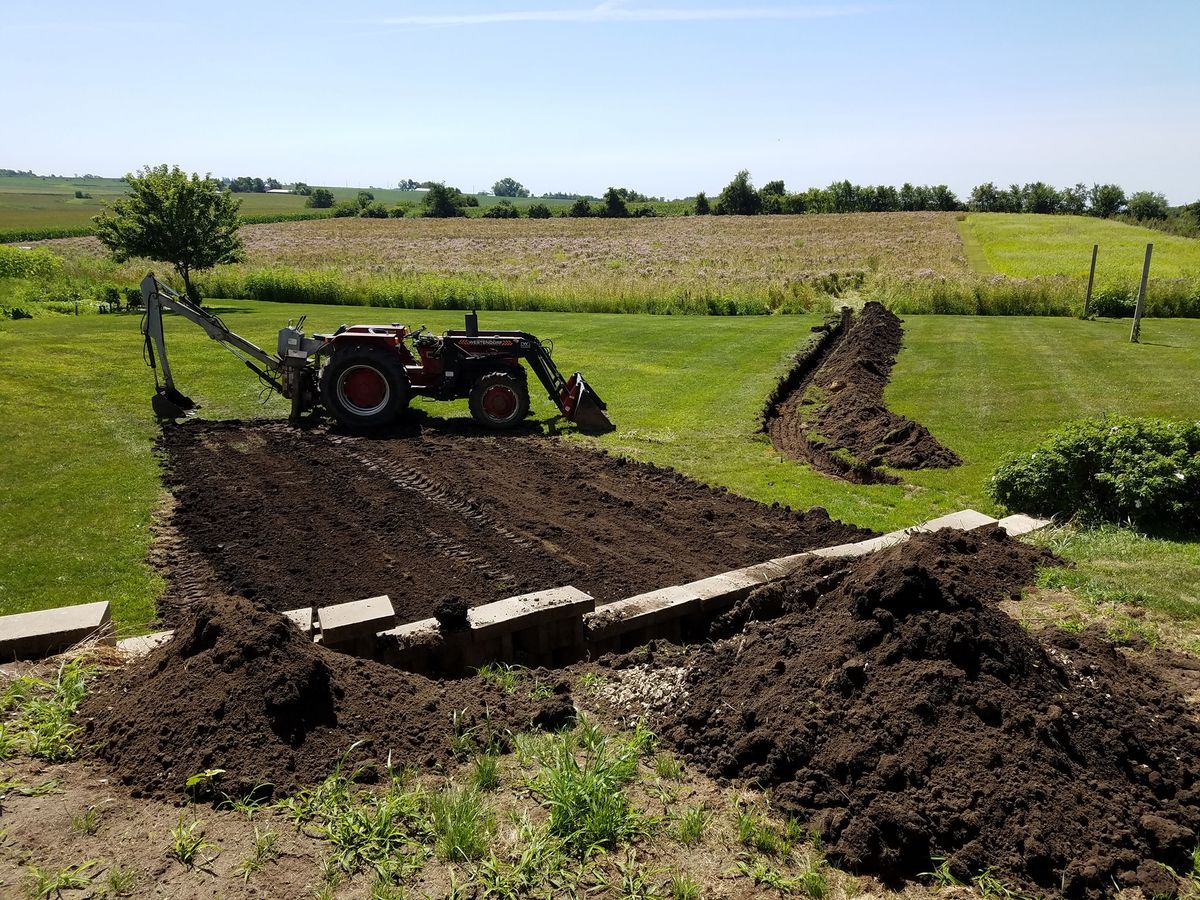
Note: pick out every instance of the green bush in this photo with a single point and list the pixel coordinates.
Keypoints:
(1116, 469)
(539, 211)
(18, 263)
(502, 210)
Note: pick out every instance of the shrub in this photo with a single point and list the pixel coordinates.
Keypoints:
(580, 209)
(18, 263)
(502, 210)
(374, 210)
(702, 207)
(320, 198)
(539, 211)
(345, 209)
(1115, 469)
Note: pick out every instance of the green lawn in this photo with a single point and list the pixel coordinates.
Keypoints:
(1026, 246)
(79, 474)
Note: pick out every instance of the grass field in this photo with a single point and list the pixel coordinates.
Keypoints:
(81, 480)
(44, 202)
(1026, 246)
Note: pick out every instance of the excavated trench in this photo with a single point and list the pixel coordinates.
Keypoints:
(829, 410)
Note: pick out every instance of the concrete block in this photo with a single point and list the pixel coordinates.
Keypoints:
(33, 635)
(144, 643)
(642, 611)
(793, 563)
(303, 618)
(719, 591)
(521, 612)
(1022, 524)
(420, 632)
(345, 623)
(862, 548)
(965, 520)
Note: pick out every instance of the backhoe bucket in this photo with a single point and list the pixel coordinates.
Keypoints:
(168, 403)
(585, 408)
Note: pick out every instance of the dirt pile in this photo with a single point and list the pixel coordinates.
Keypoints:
(835, 418)
(242, 689)
(891, 703)
(293, 518)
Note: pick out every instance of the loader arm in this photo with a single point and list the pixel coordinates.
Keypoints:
(168, 401)
(573, 396)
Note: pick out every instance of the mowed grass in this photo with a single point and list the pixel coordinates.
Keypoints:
(1026, 246)
(80, 478)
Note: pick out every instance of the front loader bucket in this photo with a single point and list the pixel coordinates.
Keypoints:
(585, 408)
(168, 403)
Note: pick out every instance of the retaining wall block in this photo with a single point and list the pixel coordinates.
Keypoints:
(33, 635)
(965, 520)
(144, 643)
(634, 614)
(355, 624)
(518, 613)
(1022, 524)
(302, 618)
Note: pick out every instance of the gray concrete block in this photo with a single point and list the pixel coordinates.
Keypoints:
(303, 618)
(862, 548)
(1022, 524)
(719, 591)
(345, 623)
(33, 635)
(642, 611)
(964, 520)
(144, 643)
(523, 611)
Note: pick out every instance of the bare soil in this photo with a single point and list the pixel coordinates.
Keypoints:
(893, 705)
(297, 518)
(240, 688)
(835, 418)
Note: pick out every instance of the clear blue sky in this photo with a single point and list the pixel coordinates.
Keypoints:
(664, 96)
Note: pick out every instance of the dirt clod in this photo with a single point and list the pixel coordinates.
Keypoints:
(835, 418)
(891, 703)
(241, 689)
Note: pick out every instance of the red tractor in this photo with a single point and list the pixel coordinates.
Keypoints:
(365, 375)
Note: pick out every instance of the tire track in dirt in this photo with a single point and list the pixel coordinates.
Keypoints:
(296, 518)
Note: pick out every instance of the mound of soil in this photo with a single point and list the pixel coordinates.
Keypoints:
(240, 688)
(835, 418)
(889, 701)
(294, 518)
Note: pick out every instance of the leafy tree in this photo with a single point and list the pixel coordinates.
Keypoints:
(439, 203)
(770, 197)
(580, 209)
(344, 209)
(272, 184)
(169, 217)
(1040, 197)
(1106, 200)
(702, 207)
(539, 211)
(912, 199)
(374, 211)
(408, 184)
(509, 187)
(502, 210)
(614, 205)
(364, 199)
(301, 188)
(985, 198)
(1147, 205)
(1073, 201)
(739, 198)
(943, 199)
(321, 198)
(401, 209)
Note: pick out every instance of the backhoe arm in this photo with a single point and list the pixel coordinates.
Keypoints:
(169, 402)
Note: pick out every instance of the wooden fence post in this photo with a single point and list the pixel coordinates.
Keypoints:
(1087, 301)
(1141, 298)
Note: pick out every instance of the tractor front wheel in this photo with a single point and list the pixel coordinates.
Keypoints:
(365, 387)
(499, 400)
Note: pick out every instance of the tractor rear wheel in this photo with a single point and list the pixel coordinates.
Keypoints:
(365, 387)
(499, 400)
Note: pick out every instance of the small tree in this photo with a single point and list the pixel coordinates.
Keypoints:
(739, 197)
(1073, 201)
(539, 211)
(364, 199)
(509, 187)
(614, 205)
(439, 203)
(320, 198)
(580, 209)
(171, 218)
(1147, 205)
(302, 189)
(702, 207)
(1106, 200)
(1040, 197)
(502, 210)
